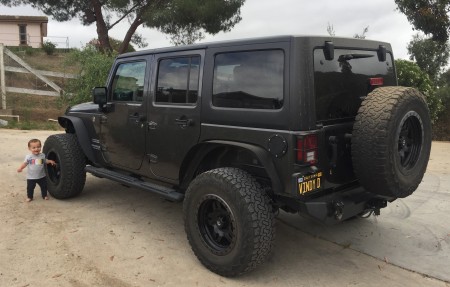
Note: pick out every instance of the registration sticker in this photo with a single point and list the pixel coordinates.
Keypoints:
(309, 183)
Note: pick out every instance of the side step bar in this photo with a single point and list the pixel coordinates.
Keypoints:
(165, 192)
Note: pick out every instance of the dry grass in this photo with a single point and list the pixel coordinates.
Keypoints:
(39, 60)
(35, 108)
(35, 111)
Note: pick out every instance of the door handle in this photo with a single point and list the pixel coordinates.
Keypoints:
(152, 125)
(138, 118)
(183, 122)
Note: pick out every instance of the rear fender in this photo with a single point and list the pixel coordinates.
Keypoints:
(196, 156)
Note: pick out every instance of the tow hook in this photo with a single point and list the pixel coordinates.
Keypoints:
(338, 210)
(376, 204)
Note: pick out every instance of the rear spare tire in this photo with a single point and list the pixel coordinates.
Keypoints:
(68, 177)
(391, 141)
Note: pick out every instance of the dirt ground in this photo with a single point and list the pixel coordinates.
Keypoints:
(116, 236)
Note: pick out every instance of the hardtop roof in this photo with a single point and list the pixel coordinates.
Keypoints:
(312, 41)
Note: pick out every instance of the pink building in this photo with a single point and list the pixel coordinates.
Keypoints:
(23, 30)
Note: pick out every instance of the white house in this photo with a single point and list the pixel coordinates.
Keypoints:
(23, 30)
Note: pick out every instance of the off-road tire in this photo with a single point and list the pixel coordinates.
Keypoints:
(391, 141)
(68, 177)
(229, 221)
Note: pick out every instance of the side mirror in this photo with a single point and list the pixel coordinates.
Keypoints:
(99, 95)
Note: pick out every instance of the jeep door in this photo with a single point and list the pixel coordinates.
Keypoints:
(123, 122)
(174, 114)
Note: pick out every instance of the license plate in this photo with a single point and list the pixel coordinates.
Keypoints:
(309, 183)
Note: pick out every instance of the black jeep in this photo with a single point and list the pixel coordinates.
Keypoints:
(241, 129)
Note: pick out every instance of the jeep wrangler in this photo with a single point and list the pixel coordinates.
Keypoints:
(241, 129)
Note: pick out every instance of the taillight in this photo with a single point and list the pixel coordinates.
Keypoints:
(307, 149)
(376, 81)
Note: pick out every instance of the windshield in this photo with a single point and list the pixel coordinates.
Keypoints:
(342, 83)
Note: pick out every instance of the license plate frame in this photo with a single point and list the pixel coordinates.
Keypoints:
(309, 183)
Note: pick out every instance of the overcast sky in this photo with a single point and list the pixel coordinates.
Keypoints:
(268, 17)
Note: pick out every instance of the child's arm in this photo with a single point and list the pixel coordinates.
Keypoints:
(22, 166)
(49, 161)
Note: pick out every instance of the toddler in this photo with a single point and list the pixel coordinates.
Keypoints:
(35, 172)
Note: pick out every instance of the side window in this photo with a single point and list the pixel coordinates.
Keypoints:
(178, 80)
(128, 83)
(250, 80)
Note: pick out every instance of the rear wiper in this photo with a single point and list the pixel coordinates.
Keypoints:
(347, 57)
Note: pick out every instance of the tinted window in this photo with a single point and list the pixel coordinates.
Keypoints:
(178, 80)
(128, 83)
(342, 83)
(251, 79)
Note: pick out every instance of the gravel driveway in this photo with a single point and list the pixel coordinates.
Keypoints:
(116, 236)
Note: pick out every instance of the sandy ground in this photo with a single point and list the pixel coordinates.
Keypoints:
(116, 236)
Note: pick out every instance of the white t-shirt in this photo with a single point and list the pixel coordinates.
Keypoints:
(35, 164)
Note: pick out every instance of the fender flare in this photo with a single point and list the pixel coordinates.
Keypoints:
(203, 149)
(81, 132)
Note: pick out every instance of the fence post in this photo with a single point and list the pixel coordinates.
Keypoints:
(2, 78)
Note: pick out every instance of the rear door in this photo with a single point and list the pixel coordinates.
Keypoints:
(174, 114)
(341, 84)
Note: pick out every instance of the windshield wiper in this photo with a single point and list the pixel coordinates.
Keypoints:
(347, 57)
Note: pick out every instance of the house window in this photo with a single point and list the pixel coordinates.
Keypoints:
(23, 34)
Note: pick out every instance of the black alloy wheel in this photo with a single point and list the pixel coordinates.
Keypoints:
(216, 224)
(410, 139)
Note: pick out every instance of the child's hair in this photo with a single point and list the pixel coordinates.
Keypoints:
(34, 141)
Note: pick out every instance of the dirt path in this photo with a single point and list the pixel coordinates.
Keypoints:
(117, 236)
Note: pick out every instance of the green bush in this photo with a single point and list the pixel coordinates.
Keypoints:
(410, 75)
(29, 51)
(48, 47)
(94, 71)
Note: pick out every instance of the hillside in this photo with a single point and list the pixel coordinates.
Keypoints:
(35, 110)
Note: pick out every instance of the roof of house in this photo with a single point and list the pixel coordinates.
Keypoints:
(23, 19)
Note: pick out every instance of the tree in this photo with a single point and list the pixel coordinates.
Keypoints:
(444, 89)
(428, 16)
(363, 34)
(431, 56)
(190, 17)
(115, 45)
(330, 30)
(332, 33)
(409, 74)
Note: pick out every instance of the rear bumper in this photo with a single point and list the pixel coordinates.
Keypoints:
(337, 206)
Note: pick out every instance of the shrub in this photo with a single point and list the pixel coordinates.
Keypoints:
(94, 69)
(49, 47)
(29, 51)
(410, 75)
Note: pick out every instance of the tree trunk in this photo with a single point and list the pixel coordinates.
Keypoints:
(102, 30)
(126, 41)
